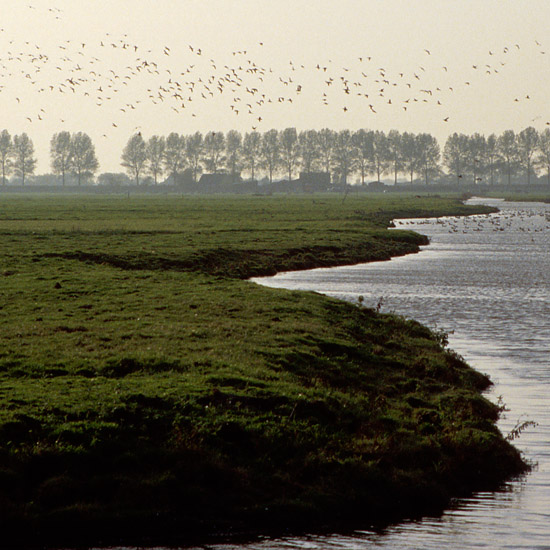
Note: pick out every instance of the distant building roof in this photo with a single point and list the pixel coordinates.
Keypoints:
(321, 178)
(314, 181)
(219, 179)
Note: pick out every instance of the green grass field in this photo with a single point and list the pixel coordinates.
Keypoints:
(150, 393)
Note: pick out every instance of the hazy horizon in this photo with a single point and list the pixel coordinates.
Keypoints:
(110, 70)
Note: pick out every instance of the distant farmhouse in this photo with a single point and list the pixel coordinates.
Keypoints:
(314, 181)
(216, 180)
(308, 182)
(224, 182)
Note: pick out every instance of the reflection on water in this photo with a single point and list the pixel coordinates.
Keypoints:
(485, 280)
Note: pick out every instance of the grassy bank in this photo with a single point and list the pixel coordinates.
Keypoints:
(534, 197)
(149, 393)
(521, 196)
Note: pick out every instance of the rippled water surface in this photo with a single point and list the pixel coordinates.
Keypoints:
(486, 280)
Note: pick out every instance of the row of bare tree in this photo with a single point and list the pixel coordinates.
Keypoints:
(16, 155)
(499, 158)
(286, 152)
(368, 154)
(70, 154)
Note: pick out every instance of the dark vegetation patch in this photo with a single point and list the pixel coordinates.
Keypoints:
(243, 263)
(63, 328)
(155, 397)
(123, 366)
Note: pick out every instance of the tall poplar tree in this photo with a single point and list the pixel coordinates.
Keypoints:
(455, 154)
(343, 155)
(326, 140)
(492, 157)
(6, 150)
(213, 149)
(508, 149)
(174, 155)
(154, 151)
(477, 156)
(308, 150)
(289, 150)
(380, 157)
(543, 158)
(251, 151)
(362, 141)
(134, 156)
(233, 153)
(84, 163)
(270, 152)
(23, 153)
(395, 153)
(194, 145)
(61, 154)
(428, 155)
(527, 141)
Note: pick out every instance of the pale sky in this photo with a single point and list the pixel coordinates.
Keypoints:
(112, 67)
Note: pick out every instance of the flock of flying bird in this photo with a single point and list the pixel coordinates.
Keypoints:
(117, 73)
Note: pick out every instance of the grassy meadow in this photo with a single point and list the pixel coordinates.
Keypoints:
(148, 392)
(520, 194)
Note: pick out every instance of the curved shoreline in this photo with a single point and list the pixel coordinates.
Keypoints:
(326, 414)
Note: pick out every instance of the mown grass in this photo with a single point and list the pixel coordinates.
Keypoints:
(530, 197)
(149, 393)
(525, 196)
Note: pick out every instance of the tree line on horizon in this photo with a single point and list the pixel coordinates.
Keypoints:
(367, 154)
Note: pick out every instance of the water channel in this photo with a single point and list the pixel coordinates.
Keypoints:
(486, 280)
